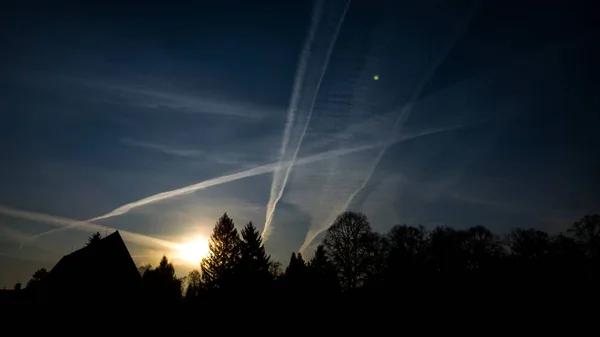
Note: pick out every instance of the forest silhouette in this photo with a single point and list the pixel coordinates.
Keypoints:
(355, 271)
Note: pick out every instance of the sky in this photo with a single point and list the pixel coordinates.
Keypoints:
(156, 118)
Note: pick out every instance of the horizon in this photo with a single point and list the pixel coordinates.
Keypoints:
(156, 120)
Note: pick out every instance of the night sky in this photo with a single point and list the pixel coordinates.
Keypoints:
(484, 113)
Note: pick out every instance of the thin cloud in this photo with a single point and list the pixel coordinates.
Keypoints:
(222, 158)
(153, 98)
(163, 148)
(12, 234)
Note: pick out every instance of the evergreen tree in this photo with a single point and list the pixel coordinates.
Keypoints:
(296, 272)
(296, 266)
(95, 238)
(38, 279)
(161, 284)
(224, 254)
(322, 271)
(165, 269)
(254, 263)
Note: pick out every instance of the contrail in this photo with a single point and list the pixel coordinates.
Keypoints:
(294, 102)
(299, 79)
(272, 204)
(403, 115)
(385, 145)
(85, 226)
(293, 107)
(212, 182)
(232, 177)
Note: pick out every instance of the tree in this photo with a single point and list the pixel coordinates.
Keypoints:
(377, 252)
(587, 232)
(481, 247)
(528, 244)
(144, 268)
(275, 270)
(347, 245)
(161, 284)
(38, 279)
(224, 254)
(296, 274)
(322, 272)
(95, 238)
(296, 267)
(194, 284)
(165, 268)
(407, 250)
(446, 250)
(253, 267)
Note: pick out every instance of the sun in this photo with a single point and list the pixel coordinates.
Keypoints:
(193, 252)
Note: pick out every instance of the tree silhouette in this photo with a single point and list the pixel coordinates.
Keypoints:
(161, 283)
(322, 272)
(407, 266)
(224, 254)
(482, 248)
(407, 249)
(296, 267)
(377, 252)
(587, 232)
(95, 238)
(296, 275)
(446, 251)
(253, 267)
(38, 279)
(194, 284)
(275, 270)
(347, 245)
(528, 244)
(165, 268)
(144, 268)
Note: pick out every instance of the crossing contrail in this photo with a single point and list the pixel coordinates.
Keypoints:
(403, 115)
(275, 196)
(293, 107)
(232, 177)
(213, 182)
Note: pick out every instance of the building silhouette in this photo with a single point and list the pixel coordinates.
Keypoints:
(102, 272)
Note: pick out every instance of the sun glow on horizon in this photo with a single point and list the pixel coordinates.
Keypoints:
(193, 252)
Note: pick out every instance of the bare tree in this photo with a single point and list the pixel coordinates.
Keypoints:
(347, 245)
(587, 232)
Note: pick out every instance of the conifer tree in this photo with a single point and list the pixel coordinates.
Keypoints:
(224, 254)
(254, 263)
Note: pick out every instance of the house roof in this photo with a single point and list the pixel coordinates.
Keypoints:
(106, 261)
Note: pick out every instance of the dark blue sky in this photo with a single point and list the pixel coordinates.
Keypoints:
(484, 113)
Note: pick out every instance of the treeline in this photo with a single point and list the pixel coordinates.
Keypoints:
(356, 266)
(353, 259)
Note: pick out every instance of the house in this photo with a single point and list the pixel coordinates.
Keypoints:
(102, 272)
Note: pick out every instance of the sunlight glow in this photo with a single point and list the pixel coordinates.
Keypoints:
(194, 251)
